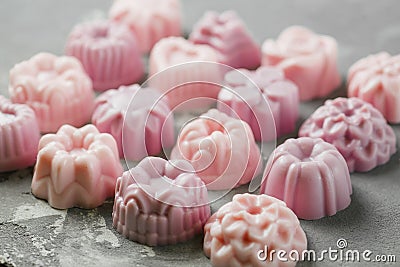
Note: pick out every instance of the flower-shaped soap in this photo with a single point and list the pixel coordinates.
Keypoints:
(139, 120)
(158, 204)
(19, 136)
(308, 59)
(221, 149)
(310, 176)
(356, 129)
(240, 231)
(76, 168)
(197, 79)
(149, 20)
(228, 34)
(109, 53)
(56, 88)
(376, 80)
(261, 98)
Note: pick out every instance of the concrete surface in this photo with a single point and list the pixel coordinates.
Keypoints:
(32, 233)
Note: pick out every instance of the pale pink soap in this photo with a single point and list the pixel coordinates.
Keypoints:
(356, 129)
(109, 52)
(76, 168)
(221, 149)
(156, 203)
(149, 20)
(264, 99)
(227, 33)
(19, 136)
(139, 119)
(376, 80)
(310, 176)
(56, 88)
(184, 71)
(240, 231)
(308, 59)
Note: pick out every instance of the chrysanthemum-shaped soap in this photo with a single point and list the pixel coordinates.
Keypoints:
(158, 204)
(376, 80)
(310, 176)
(228, 34)
(56, 88)
(244, 232)
(264, 99)
(221, 149)
(138, 118)
(109, 52)
(19, 136)
(356, 129)
(308, 59)
(76, 168)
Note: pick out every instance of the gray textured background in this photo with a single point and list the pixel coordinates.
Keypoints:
(31, 233)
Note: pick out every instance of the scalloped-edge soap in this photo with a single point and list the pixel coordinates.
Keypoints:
(357, 129)
(240, 231)
(76, 168)
(158, 204)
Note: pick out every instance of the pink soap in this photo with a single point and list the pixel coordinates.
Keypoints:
(141, 116)
(149, 20)
(221, 149)
(109, 52)
(310, 176)
(56, 88)
(228, 34)
(19, 136)
(240, 231)
(356, 129)
(308, 59)
(76, 168)
(264, 99)
(376, 79)
(158, 204)
(184, 71)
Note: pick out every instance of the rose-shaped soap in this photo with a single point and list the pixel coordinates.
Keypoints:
(139, 115)
(221, 149)
(238, 233)
(182, 82)
(158, 204)
(56, 88)
(109, 53)
(227, 34)
(149, 20)
(310, 176)
(263, 99)
(376, 79)
(19, 136)
(76, 168)
(308, 59)
(356, 129)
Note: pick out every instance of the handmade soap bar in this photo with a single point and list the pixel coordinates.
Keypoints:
(227, 34)
(19, 136)
(308, 59)
(376, 80)
(56, 88)
(310, 176)
(139, 120)
(221, 149)
(182, 75)
(149, 20)
(264, 99)
(109, 52)
(76, 168)
(356, 129)
(245, 231)
(158, 204)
